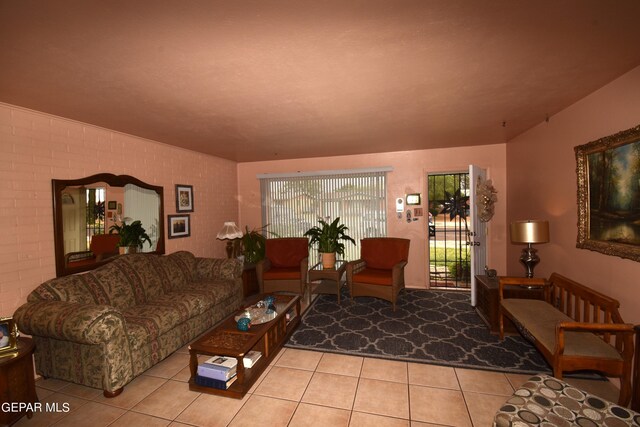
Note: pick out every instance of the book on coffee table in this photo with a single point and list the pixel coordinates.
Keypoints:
(213, 383)
(251, 358)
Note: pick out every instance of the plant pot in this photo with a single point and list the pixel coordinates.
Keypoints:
(127, 250)
(328, 260)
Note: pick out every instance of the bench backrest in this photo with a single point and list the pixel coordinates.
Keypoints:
(581, 303)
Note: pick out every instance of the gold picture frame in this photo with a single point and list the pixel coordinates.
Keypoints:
(8, 336)
(608, 172)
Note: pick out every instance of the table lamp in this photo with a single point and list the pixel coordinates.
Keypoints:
(529, 232)
(229, 232)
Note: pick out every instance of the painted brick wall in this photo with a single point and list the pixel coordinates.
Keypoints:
(36, 148)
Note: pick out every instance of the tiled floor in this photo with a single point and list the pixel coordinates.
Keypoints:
(300, 388)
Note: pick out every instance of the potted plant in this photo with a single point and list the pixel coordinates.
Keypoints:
(329, 239)
(132, 236)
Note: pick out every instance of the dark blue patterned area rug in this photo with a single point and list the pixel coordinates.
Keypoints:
(437, 327)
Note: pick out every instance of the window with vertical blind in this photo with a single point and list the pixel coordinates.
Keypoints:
(291, 204)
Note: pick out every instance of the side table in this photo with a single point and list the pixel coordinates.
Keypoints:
(488, 301)
(17, 381)
(250, 284)
(327, 280)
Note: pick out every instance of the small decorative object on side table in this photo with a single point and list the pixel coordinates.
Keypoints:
(327, 280)
(17, 381)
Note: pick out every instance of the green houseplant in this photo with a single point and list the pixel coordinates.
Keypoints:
(132, 236)
(329, 237)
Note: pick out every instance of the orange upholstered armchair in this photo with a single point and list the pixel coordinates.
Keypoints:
(285, 265)
(102, 246)
(380, 270)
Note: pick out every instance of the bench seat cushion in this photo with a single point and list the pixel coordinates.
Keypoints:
(538, 320)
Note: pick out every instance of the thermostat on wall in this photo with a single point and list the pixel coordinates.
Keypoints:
(413, 199)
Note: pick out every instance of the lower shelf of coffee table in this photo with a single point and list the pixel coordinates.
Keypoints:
(270, 336)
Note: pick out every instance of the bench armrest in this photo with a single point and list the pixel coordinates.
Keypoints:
(625, 331)
(522, 281)
(61, 320)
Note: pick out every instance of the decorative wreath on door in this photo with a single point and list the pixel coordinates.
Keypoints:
(486, 198)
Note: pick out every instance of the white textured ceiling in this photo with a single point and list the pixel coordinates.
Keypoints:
(261, 80)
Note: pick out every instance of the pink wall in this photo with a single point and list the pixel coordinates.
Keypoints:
(542, 184)
(410, 169)
(36, 147)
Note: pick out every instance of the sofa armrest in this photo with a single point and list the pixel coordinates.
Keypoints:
(218, 268)
(76, 322)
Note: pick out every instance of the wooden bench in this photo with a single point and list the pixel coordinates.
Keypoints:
(573, 328)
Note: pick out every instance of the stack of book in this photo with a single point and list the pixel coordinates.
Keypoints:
(217, 372)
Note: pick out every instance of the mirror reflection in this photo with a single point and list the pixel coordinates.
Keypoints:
(97, 219)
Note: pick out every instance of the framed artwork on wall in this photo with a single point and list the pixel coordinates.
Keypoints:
(8, 336)
(184, 198)
(179, 226)
(609, 194)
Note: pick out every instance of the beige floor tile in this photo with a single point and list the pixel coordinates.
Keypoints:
(81, 391)
(209, 410)
(54, 408)
(168, 401)
(484, 382)
(51, 384)
(433, 376)
(177, 424)
(336, 391)
(603, 389)
(284, 383)
(516, 380)
(421, 424)
(483, 407)
(264, 411)
(319, 416)
(438, 406)
(261, 378)
(299, 359)
(382, 398)
(340, 364)
(134, 419)
(43, 392)
(134, 392)
(386, 370)
(361, 419)
(92, 414)
(184, 375)
(170, 366)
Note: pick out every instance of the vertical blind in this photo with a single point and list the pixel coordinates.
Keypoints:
(293, 204)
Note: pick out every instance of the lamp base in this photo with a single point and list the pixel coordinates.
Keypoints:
(229, 249)
(529, 259)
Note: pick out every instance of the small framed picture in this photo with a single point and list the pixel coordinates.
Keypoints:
(184, 198)
(112, 205)
(179, 226)
(8, 336)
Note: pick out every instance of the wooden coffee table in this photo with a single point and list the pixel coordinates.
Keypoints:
(226, 340)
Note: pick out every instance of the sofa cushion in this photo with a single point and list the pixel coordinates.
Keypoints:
(118, 284)
(176, 270)
(374, 276)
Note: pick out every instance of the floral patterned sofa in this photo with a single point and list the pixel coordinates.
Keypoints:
(105, 327)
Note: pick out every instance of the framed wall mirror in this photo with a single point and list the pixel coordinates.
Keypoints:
(85, 209)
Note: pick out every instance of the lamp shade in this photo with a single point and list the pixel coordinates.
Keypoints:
(229, 231)
(530, 231)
